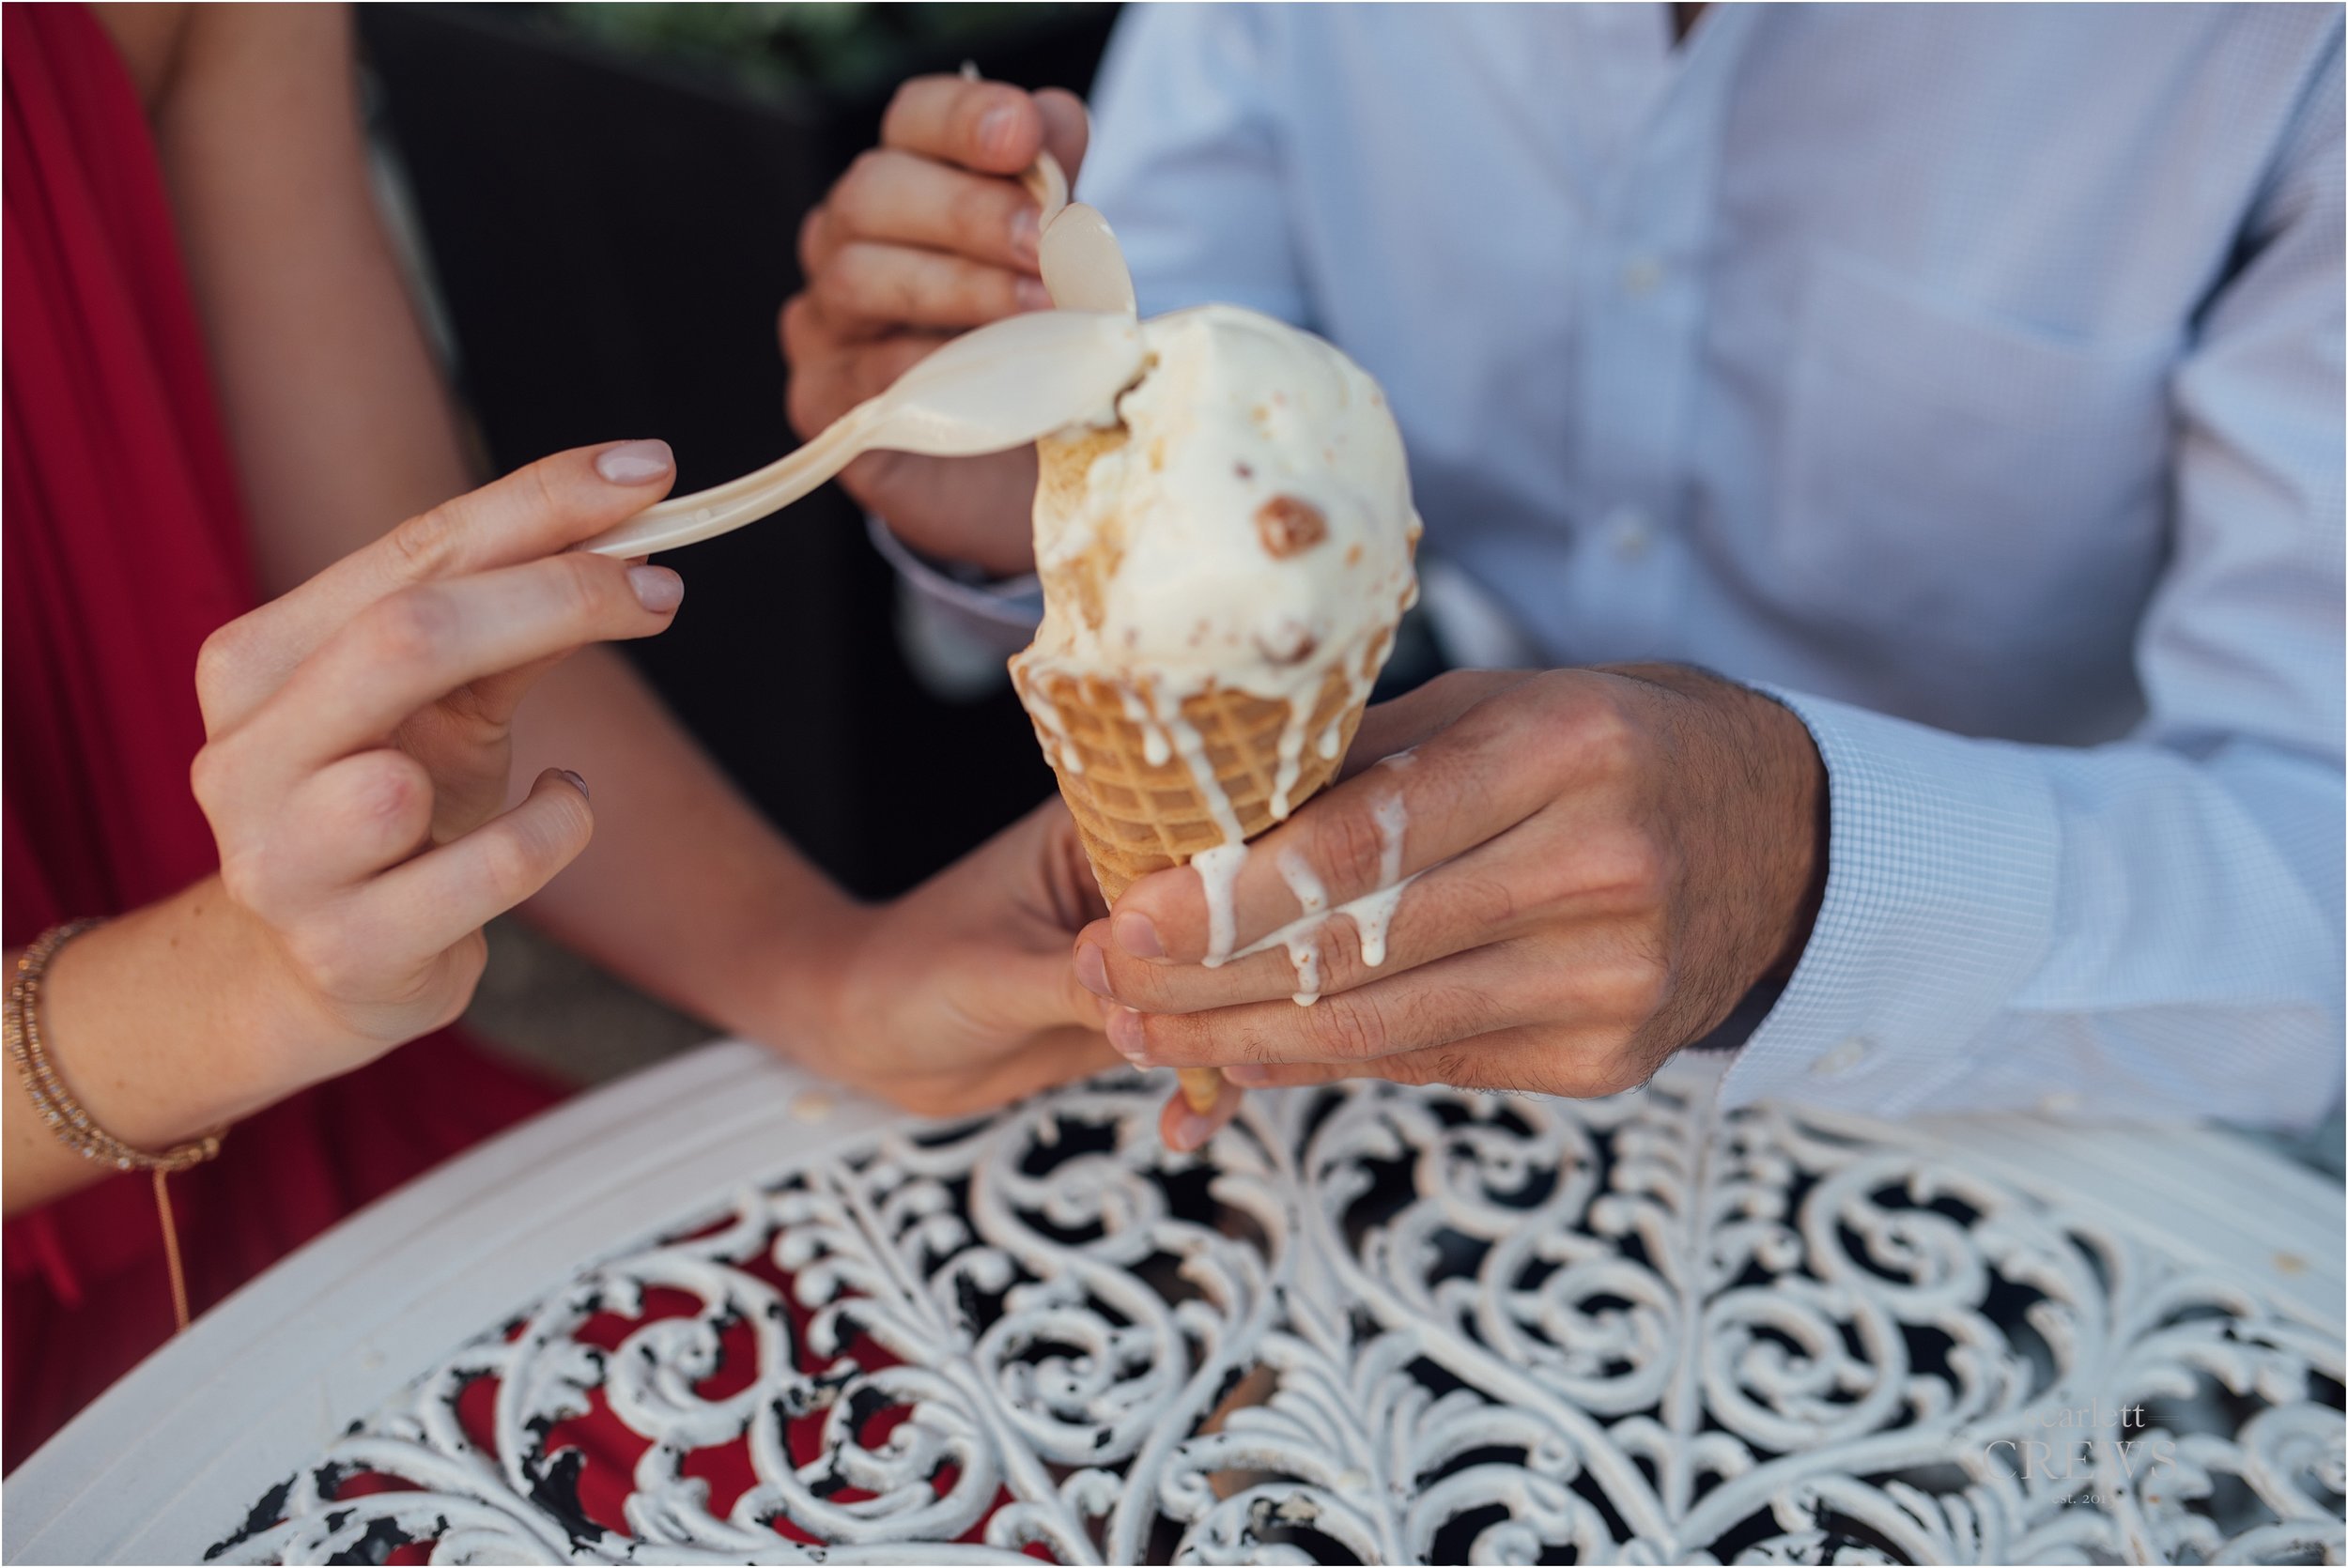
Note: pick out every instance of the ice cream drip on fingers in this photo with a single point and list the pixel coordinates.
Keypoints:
(1225, 557)
(1372, 913)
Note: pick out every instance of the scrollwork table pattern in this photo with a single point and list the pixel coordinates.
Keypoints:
(1366, 1324)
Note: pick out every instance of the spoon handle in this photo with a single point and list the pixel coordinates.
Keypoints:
(723, 508)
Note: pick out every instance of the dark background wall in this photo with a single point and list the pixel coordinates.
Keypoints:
(609, 200)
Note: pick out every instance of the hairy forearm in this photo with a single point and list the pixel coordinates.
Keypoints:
(685, 891)
(165, 1023)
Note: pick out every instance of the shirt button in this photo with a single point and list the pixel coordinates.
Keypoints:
(1628, 533)
(1642, 277)
(1842, 1058)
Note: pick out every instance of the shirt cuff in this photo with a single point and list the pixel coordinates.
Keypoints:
(993, 614)
(1941, 876)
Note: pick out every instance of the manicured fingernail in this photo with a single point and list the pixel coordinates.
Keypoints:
(1126, 1036)
(1032, 295)
(657, 588)
(1026, 234)
(1137, 936)
(577, 783)
(1191, 1130)
(995, 128)
(636, 462)
(1254, 1074)
(1093, 972)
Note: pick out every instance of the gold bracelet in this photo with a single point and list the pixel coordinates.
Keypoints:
(51, 1098)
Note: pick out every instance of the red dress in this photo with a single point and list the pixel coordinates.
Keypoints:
(121, 547)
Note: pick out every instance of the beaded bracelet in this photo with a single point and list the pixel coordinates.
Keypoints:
(19, 1025)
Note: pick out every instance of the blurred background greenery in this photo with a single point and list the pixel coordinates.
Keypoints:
(837, 46)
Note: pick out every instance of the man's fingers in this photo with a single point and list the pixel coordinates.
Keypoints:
(1593, 981)
(1067, 128)
(987, 126)
(1470, 993)
(536, 511)
(898, 198)
(868, 282)
(421, 643)
(414, 910)
(873, 370)
(836, 366)
(1533, 1059)
(1421, 712)
(1468, 783)
(1499, 889)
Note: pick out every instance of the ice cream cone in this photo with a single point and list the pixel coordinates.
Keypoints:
(1222, 572)
(1137, 806)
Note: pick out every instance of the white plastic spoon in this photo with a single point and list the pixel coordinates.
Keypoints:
(1083, 269)
(998, 387)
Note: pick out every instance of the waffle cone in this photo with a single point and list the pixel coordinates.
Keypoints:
(1136, 814)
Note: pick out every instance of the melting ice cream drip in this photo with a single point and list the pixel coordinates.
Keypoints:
(1372, 914)
(1218, 873)
(1155, 748)
(1291, 757)
(1304, 946)
(1394, 821)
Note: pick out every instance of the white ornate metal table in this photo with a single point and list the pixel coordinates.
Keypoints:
(717, 1313)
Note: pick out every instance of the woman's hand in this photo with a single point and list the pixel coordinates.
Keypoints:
(926, 235)
(360, 736)
(1606, 862)
(959, 996)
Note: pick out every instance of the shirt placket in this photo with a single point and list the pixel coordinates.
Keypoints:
(1642, 298)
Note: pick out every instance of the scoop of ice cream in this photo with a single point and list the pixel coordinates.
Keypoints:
(1245, 520)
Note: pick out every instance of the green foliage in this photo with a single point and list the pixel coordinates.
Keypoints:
(844, 47)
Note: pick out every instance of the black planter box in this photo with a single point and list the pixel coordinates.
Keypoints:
(612, 241)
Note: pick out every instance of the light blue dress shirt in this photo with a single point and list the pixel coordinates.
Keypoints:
(1970, 377)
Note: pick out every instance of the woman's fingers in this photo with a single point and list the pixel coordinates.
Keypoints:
(1046, 1060)
(342, 824)
(1182, 1129)
(421, 643)
(535, 512)
(411, 913)
(1030, 991)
